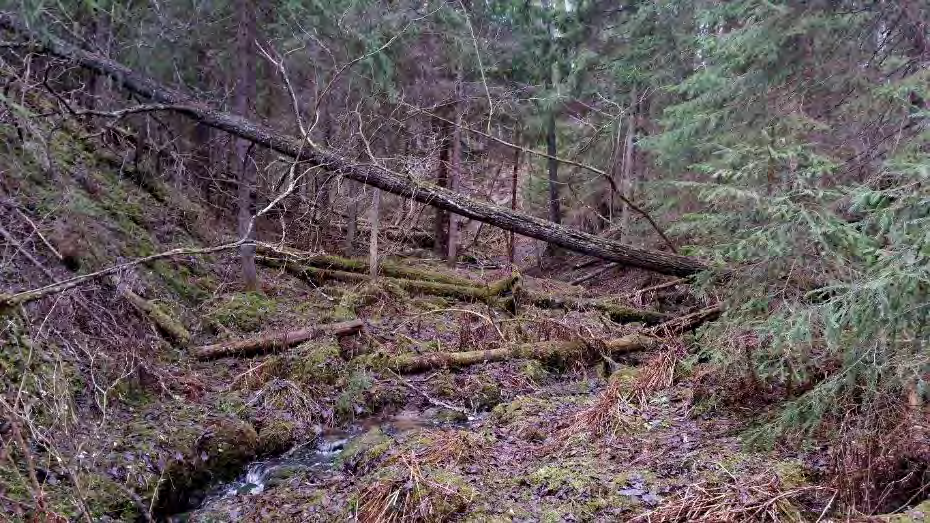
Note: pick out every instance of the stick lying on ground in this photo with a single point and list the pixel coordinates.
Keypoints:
(274, 341)
(554, 350)
(171, 327)
(170, 100)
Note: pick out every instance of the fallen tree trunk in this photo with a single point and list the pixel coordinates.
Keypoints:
(169, 326)
(274, 341)
(557, 351)
(385, 268)
(524, 224)
(546, 351)
(490, 295)
(617, 313)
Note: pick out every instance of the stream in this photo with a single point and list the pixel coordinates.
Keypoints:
(316, 457)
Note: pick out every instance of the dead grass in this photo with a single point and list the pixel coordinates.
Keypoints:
(451, 447)
(408, 493)
(755, 498)
(613, 413)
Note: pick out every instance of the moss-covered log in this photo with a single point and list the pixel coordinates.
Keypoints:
(169, 326)
(274, 341)
(492, 294)
(386, 267)
(617, 313)
(562, 351)
(555, 351)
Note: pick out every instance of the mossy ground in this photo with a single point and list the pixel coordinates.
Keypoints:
(145, 426)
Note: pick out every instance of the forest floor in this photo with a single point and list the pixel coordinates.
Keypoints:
(516, 440)
(123, 425)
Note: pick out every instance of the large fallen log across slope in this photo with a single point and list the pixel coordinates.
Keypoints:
(273, 341)
(318, 269)
(524, 224)
(554, 350)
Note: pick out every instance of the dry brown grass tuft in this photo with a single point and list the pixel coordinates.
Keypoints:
(405, 492)
(284, 395)
(610, 416)
(450, 447)
(755, 498)
(613, 413)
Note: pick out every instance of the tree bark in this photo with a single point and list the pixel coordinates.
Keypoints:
(515, 179)
(520, 223)
(487, 294)
(243, 97)
(555, 209)
(626, 173)
(385, 268)
(375, 219)
(441, 220)
(273, 341)
(557, 351)
(455, 181)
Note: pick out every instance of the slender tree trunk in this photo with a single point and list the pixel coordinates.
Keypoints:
(455, 180)
(626, 174)
(375, 219)
(243, 97)
(515, 180)
(441, 225)
(353, 190)
(555, 209)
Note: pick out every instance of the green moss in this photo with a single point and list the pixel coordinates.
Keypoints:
(918, 514)
(570, 479)
(105, 498)
(534, 371)
(791, 474)
(216, 454)
(276, 437)
(519, 408)
(363, 452)
(353, 396)
(451, 494)
(316, 363)
(488, 394)
(190, 287)
(244, 311)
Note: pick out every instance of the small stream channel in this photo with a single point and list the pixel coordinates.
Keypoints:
(316, 457)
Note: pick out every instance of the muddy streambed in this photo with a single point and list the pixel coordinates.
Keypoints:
(317, 459)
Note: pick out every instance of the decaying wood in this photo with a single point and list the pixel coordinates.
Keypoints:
(379, 177)
(547, 351)
(688, 322)
(169, 326)
(386, 268)
(617, 313)
(489, 294)
(274, 341)
(593, 274)
(578, 350)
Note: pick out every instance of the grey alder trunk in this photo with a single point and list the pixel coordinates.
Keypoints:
(441, 221)
(455, 181)
(243, 96)
(375, 219)
(555, 209)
